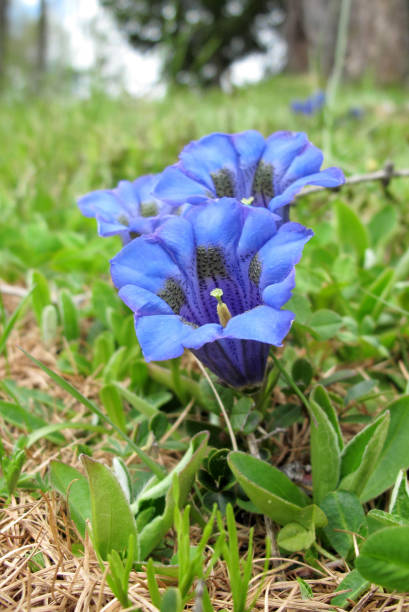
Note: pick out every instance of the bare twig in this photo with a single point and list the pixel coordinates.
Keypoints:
(385, 175)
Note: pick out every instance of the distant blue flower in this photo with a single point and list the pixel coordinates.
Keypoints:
(213, 281)
(128, 210)
(309, 106)
(246, 166)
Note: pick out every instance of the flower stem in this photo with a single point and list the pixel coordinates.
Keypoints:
(291, 382)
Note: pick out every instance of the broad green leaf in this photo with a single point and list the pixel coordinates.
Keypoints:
(379, 519)
(325, 452)
(344, 512)
(384, 558)
(240, 412)
(49, 323)
(374, 296)
(73, 485)
(361, 455)
(302, 372)
(320, 395)
(103, 348)
(294, 537)
(171, 601)
(383, 223)
(69, 315)
(301, 307)
(112, 370)
(395, 453)
(355, 584)
(351, 231)
(112, 521)
(271, 491)
(325, 323)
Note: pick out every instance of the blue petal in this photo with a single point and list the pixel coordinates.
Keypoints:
(100, 201)
(249, 146)
(258, 227)
(143, 302)
(218, 223)
(278, 294)
(307, 162)
(166, 336)
(330, 177)
(281, 148)
(176, 188)
(176, 237)
(210, 154)
(279, 255)
(145, 263)
(262, 323)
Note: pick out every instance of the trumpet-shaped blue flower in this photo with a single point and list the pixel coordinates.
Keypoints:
(213, 281)
(128, 210)
(309, 106)
(246, 166)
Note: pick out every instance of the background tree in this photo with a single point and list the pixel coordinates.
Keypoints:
(4, 35)
(200, 39)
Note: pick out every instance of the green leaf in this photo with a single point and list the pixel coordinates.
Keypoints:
(112, 521)
(344, 512)
(382, 224)
(70, 483)
(185, 472)
(361, 455)
(69, 316)
(41, 294)
(24, 419)
(302, 372)
(351, 232)
(271, 491)
(8, 328)
(395, 453)
(380, 288)
(293, 537)
(171, 601)
(399, 503)
(112, 402)
(355, 585)
(379, 519)
(325, 452)
(240, 412)
(384, 558)
(49, 323)
(325, 323)
(320, 395)
(305, 589)
(139, 403)
(360, 390)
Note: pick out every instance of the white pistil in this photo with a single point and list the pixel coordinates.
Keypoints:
(223, 312)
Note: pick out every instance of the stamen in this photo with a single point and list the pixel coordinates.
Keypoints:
(223, 312)
(247, 201)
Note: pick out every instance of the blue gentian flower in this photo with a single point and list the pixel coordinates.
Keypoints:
(246, 166)
(128, 210)
(213, 281)
(309, 106)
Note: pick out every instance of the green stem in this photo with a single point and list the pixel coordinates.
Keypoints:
(291, 382)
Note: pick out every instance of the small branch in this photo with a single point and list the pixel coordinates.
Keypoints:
(385, 175)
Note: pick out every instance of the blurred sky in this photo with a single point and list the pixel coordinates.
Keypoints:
(92, 34)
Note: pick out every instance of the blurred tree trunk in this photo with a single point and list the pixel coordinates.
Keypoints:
(42, 40)
(294, 32)
(378, 37)
(4, 34)
(379, 40)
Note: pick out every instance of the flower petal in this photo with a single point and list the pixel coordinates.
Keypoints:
(279, 255)
(278, 294)
(262, 323)
(143, 302)
(144, 263)
(330, 177)
(176, 188)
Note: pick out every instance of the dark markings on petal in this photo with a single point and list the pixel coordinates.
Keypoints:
(255, 269)
(210, 263)
(263, 181)
(123, 219)
(223, 183)
(149, 209)
(173, 295)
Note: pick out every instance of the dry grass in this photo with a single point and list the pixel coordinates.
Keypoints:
(71, 581)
